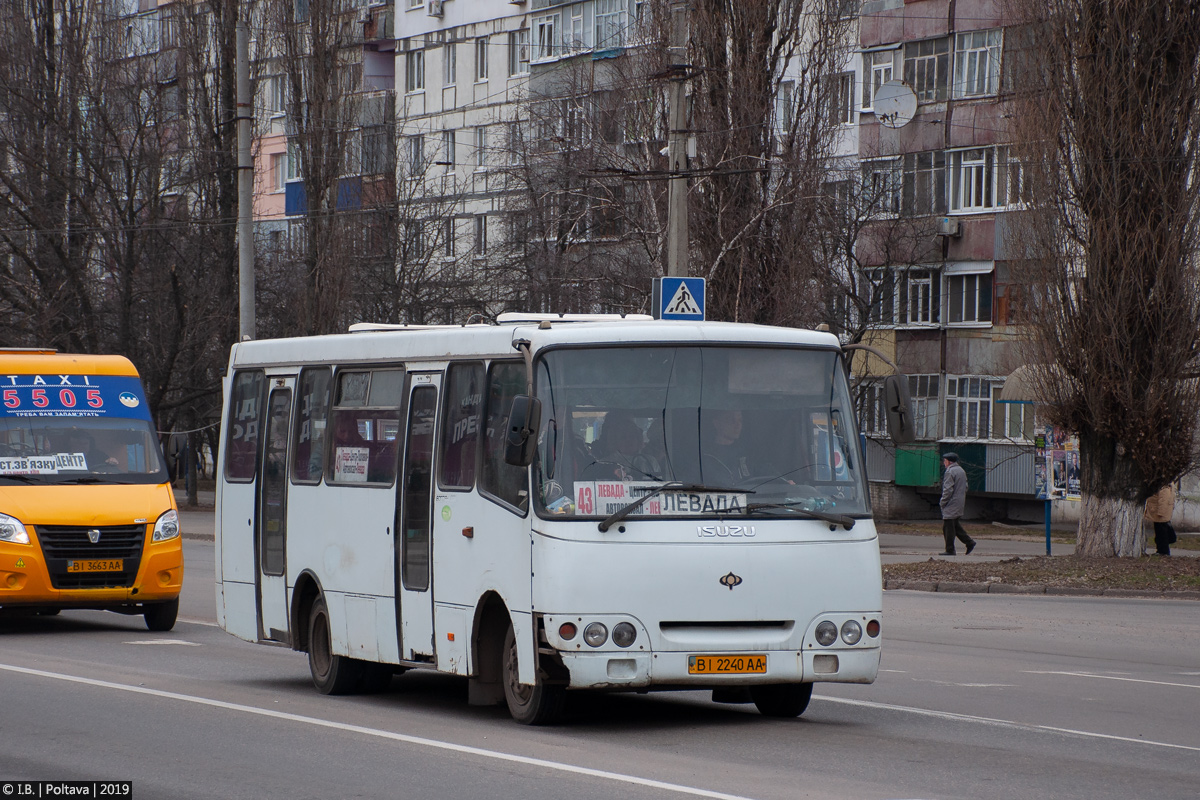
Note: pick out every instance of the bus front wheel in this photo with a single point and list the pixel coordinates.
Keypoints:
(331, 674)
(539, 704)
(161, 616)
(782, 700)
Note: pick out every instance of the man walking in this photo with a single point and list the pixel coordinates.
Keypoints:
(954, 503)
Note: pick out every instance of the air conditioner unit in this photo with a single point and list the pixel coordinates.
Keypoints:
(949, 226)
(435, 8)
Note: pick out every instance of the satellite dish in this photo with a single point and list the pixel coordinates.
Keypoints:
(895, 104)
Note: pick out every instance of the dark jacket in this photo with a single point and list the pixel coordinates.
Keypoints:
(954, 492)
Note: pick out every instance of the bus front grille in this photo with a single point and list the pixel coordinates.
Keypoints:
(64, 543)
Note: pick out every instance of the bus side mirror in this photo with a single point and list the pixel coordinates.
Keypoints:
(523, 422)
(899, 409)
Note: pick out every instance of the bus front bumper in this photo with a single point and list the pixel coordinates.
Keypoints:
(643, 670)
(25, 580)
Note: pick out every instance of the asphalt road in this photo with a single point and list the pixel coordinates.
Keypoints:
(980, 697)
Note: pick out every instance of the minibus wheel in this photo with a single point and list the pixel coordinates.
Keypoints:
(781, 699)
(331, 674)
(161, 616)
(539, 704)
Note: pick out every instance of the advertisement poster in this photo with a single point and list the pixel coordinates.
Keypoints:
(1056, 464)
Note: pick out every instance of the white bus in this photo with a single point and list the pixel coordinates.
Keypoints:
(552, 503)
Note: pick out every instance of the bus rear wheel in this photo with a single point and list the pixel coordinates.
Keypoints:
(785, 700)
(539, 704)
(161, 616)
(331, 674)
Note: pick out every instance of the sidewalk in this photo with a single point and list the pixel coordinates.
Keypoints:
(196, 523)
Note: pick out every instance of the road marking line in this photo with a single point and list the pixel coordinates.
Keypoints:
(1111, 678)
(199, 622)
(382, 734)
(165, 641)
(1002, 723)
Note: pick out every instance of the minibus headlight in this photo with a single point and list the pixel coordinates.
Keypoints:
(11, 530)
(595, 634)
(826, 633)
(167, 526)
(851, 632)
(624, 634)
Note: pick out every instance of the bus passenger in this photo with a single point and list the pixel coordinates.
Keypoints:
(723, 457)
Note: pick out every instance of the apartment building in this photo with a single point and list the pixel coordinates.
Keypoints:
(946, 307)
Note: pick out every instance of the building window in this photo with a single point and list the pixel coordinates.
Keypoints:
(450, 64)
(481, 243)
(971, 184)
(293, 161)
(546, 37)
(481, 146)
(448, 145)
(378, 150)
(841, 99)
(923, 393)
(924, 184)
(414, 71)
(968, 408)
(877, 70)
(416, 3)
(276, 95)
(416, 154)
(1011, 420)
(927, 69)
(279, 168)
(580, 33)
(1012, 186)
(969, 298)
(448, 236)
(610, 29)
(904, 296)
(481, 59)
(881, 185)
(977, 63)
(518, 52)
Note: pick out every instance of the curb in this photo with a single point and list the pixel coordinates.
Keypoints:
(961, 587)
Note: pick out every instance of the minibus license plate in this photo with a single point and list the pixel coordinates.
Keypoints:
(96, 565)
(743, 664)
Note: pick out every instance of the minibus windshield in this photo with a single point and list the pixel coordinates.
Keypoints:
(741, 430)
(65, 450)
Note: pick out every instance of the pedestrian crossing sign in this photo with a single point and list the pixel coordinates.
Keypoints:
(679, 298)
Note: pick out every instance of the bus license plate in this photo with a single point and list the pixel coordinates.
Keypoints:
(744, 664)
(96, 565)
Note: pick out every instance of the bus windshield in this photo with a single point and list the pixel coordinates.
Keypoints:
(737, 430)
(63, 450)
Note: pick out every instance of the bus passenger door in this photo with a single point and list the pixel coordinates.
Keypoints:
(270, 533)
(414, 501)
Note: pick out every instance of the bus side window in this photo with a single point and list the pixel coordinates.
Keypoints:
(308, 436)
(242, 426)
(460, 430)
(364, 424)
(503, 481)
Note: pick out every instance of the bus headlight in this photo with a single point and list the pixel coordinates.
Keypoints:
(624, 634)
(11, 530)
(595, 634)
(826, 633)
(167, 527)
(851, 632)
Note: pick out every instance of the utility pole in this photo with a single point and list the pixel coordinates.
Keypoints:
(245, 219)
(677, 142)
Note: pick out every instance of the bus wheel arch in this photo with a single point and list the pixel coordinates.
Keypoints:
(487, 646)
(306, 592)
(331, 673)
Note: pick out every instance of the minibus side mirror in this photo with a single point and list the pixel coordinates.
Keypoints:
(899, 409)
(523, 423)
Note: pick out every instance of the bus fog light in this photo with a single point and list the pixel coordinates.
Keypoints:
(825, 664)
(826, 633)
(567, 631)
(624, 634)
(595, 634)
(851, 632)
(873, 628)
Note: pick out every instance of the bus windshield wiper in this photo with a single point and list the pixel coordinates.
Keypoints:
(670, 486)
(94, 479)
(19, 478)
(794, 505)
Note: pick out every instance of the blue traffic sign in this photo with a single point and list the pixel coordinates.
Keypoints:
(679, 298)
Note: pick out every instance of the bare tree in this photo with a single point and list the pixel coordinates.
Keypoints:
(1110, 130)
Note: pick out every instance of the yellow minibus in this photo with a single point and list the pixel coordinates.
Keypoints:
(87, 515)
